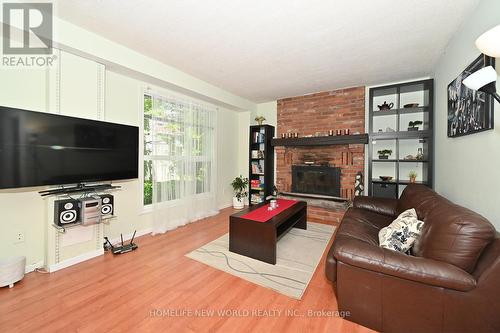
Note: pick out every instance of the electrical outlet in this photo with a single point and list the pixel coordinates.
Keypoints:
(19, 237)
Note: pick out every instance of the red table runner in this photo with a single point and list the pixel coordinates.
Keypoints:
(261, 214)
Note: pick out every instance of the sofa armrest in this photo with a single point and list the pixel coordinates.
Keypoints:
(374, 258)
(384, 206)
(331, 266)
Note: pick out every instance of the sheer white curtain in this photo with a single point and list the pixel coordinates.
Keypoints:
(183, 161)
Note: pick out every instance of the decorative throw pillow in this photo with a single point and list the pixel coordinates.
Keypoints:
(402, 232)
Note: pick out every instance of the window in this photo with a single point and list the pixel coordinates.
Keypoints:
(178, 149)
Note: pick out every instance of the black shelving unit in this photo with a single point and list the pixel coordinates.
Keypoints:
(261, 162)
(388, 129)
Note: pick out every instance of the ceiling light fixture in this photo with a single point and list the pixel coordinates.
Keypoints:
(489, 42)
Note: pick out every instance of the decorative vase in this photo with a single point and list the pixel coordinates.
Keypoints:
(238, 203)
(420, 154)
(413, 180)
(383, 157)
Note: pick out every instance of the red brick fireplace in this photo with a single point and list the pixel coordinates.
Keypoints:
(317, 114)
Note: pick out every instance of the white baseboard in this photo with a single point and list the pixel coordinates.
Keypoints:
(128, 236)
(93, 254)
(75, 260)
(88, 255)
(225, 206)
(32, 267)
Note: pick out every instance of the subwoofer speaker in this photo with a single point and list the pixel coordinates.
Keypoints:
(108, 205)
(66, 212)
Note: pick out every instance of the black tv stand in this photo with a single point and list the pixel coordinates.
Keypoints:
(78, 188)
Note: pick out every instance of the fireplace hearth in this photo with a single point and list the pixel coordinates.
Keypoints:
(314, 179)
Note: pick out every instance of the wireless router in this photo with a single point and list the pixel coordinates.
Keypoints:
(120, 249)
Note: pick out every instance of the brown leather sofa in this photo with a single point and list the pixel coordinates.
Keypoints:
(449, 283)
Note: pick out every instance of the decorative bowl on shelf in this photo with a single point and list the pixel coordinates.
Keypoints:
(411, 105)
(385, 178)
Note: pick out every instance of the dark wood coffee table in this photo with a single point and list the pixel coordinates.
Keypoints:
(258, 240)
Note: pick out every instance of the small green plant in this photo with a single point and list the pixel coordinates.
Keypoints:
(260, 119)
(413, 125)
(240, 185)
(413, 176)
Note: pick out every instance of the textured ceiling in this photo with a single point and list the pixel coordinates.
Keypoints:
(264, 50)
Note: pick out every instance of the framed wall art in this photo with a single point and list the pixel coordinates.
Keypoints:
(469, 111)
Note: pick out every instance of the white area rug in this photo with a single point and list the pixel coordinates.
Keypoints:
(299, 253)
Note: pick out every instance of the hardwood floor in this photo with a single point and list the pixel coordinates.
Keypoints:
(135, 291)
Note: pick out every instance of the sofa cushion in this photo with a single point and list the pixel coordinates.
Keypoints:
(422, 198)
(360, 224)
(363, 224)
(455, 235)
(383, 206)
(428, 271)
(402, 232)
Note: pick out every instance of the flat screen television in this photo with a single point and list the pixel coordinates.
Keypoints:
(46, 149)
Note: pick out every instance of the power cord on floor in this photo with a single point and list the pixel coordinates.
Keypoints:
(41, 270)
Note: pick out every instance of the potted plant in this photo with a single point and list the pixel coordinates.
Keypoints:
(384, 154)
(413, 176)
(413, 125)
(239, 185)
(260, 119)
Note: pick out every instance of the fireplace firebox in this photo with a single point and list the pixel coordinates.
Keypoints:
(314, 179)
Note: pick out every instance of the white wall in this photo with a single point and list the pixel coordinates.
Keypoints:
(122, 105)
(243, 142)
(269, 110)
(230, 153)
(23, 210)
(466, 168)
